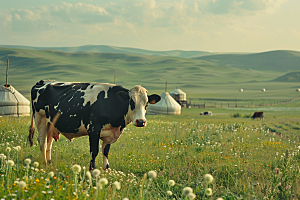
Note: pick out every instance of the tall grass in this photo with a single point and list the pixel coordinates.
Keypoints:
(247, 161)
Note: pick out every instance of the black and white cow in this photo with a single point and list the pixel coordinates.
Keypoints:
(99, 110)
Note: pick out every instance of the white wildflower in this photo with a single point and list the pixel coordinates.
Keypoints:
(117, 185)
(76, 168)
(103, 181)
(187, 190)
(22, 184)
(208, 191)
(36, 164)
(27, 161)
(191, 196)
(171, 182)
(10, 163)
(51, 174)
(96, 172)
(152, 174)
(208, 178)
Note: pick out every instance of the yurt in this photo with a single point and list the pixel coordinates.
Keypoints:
(13, 102)
(178, 95)
(166, 106)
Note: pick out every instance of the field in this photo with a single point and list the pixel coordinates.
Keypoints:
(248, 159)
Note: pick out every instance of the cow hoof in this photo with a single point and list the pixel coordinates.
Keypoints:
(107, 166)
(49, 162)
(92, 166)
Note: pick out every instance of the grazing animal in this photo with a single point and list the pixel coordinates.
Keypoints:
(206, 113)
(99, 110)
(259, 114)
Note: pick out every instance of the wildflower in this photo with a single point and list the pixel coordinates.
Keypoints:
(152, 174)
(76, 169)
(8, 149)
(3, 157)
(27, 161)
(10, 163)
(125, 198)
(277, 170)
(51, 174)
(36, 164)
(96, 172)
(22, 184)
(17, 148)
(103, 181)
(187, 190)
(171, 182)
(208, 178)
(208, 191)
(88, 174)
(169, 193)
(117, 185)
(220, 198)
(191, 196)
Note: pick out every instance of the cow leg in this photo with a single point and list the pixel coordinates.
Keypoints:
(49, 146)
(94, 148)
(105, 150)
(41, 124)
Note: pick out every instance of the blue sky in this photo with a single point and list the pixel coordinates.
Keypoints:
(206, 25)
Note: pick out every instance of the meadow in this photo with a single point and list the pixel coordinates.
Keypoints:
(173, 157)
(248, 159)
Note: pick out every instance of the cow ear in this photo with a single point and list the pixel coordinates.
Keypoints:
(153, 99)
(122, 96)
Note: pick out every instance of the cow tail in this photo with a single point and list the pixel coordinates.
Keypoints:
(31, 128)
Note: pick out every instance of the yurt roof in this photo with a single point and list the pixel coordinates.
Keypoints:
(177, 91)
(167, 105)
(9, 96)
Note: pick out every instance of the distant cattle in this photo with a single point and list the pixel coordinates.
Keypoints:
(259, 115)
(100, 111)
(298, 90)
(206, 113)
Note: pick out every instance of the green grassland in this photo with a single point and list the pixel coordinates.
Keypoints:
(242, 155)
(249, 159)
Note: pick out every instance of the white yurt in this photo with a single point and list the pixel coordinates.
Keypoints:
(166, 106)
(12, 102)
(178, 95)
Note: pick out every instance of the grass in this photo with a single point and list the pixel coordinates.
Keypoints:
(241, 154)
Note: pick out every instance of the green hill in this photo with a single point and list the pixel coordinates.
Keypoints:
(289, 77)
(198, 78)
(113, 49)
(281, 61)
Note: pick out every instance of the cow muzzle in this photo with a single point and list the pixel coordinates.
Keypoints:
(140, 123)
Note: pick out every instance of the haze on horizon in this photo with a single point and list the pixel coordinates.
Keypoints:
(204, 25)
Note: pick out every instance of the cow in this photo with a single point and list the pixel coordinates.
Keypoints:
(206, 113)
(258, 114)
(98, 110)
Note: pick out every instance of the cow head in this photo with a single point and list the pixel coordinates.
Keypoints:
(138, 102)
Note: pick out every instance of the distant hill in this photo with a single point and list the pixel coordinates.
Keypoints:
(281, 61)
(289, 77)
(113, 49)
(29, 66)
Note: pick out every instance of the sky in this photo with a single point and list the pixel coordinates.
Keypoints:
(204, 25)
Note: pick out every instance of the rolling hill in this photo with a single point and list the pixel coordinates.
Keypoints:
(289, 77)
(113, 49)
(205, 78)
(282, 61)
